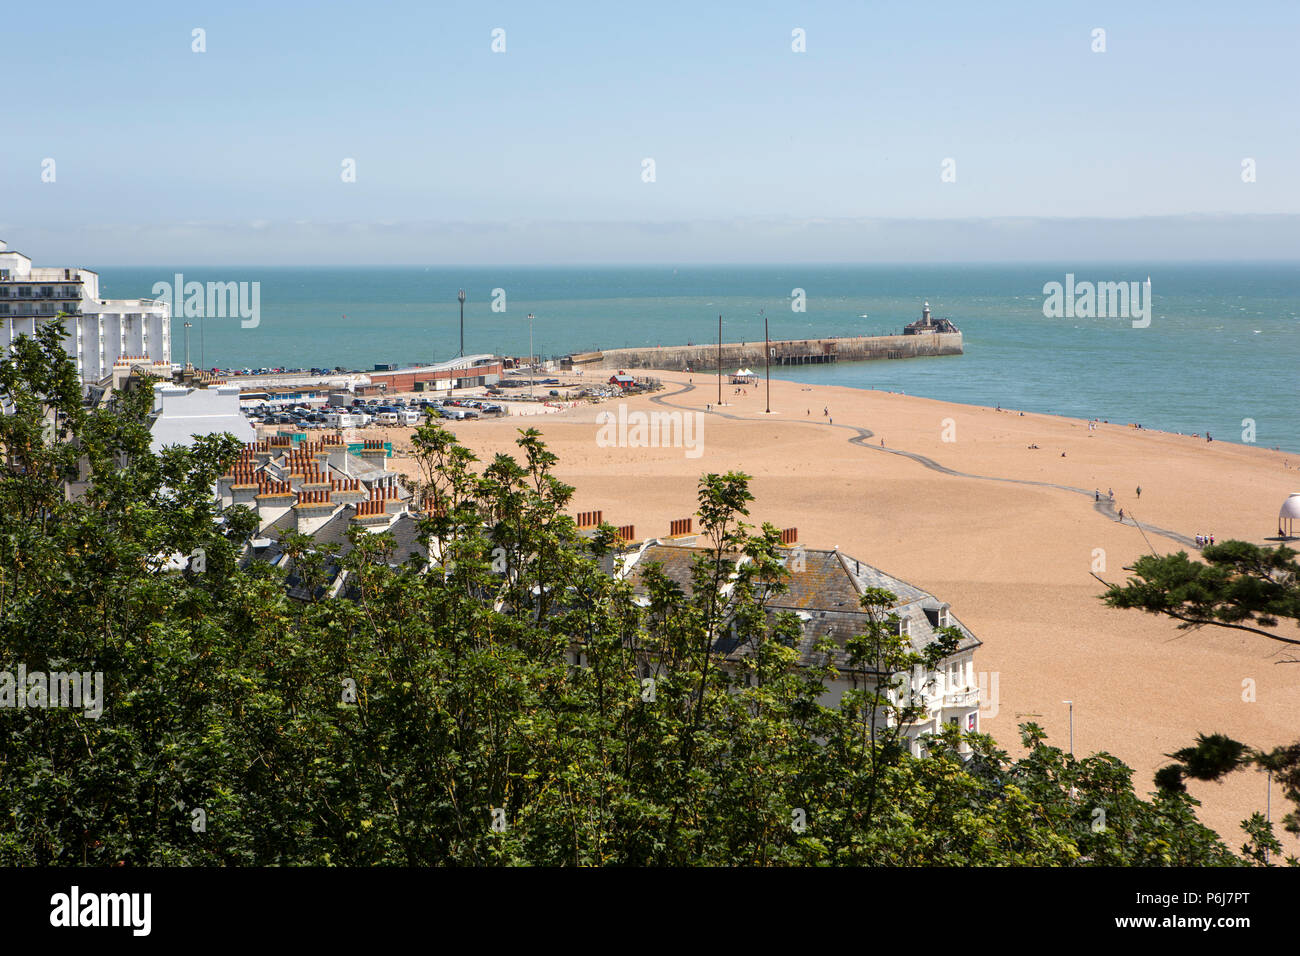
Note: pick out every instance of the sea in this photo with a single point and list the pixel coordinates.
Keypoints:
(1221, 353)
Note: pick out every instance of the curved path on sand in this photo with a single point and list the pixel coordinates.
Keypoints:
(863, 435)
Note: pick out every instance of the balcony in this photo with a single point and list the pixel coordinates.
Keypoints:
(962, 698)
(25, 292)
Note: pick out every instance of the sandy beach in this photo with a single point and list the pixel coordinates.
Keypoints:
(1013, 556)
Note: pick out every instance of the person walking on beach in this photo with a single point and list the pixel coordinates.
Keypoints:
(1096, 494)
(826, 411)
(1110, 493)
(1139, 491)
(1121, 515)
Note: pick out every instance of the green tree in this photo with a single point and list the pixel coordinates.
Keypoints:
(1239, 586)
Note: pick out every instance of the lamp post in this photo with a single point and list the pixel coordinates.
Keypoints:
(1268, 796)
(188, 326)
(719, 360)
(1071, 703)
(767, 360)
(461, 296)
(531, 370)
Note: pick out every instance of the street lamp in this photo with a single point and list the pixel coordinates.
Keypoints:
(188, 326)
(1071, 703)
(767, 359)
(461, 296)
(531, 369)
(1268, 800)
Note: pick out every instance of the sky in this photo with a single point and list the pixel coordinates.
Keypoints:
(903, 131)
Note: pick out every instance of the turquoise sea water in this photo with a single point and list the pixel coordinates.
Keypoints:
(1223, 344)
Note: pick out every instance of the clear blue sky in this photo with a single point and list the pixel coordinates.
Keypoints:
(535, 154)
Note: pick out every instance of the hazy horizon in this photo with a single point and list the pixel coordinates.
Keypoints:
(824, 241)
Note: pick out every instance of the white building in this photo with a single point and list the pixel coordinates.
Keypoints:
(181, 414)
(824, 588)
(98, 332)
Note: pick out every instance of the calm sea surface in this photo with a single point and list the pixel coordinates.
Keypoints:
(1223, 344)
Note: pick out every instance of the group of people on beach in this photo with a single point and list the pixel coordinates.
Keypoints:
(1203, 539)
(1110, 496)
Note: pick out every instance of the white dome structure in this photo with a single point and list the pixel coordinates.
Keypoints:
(1288, 513)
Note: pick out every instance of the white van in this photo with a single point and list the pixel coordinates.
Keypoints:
(343, 420)
(411, 416)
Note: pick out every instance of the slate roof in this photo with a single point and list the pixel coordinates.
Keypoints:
(825, 595)
(676, 561)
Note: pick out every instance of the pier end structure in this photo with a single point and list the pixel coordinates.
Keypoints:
(861, 348)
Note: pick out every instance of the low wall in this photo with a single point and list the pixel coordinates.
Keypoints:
(863, 348)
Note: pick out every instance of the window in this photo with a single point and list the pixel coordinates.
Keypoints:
(904, 627)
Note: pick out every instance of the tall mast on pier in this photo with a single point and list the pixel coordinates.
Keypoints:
(767, 359)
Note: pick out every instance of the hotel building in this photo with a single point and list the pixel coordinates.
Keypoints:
(98, 333)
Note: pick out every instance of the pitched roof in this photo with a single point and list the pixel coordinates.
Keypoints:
(824, 589)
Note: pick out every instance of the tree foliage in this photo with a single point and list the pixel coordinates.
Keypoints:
(1239, 586)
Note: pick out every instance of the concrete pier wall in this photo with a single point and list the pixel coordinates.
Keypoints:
(797, 352)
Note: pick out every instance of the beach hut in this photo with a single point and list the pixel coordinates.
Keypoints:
(622, 381)
(1288, 514)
